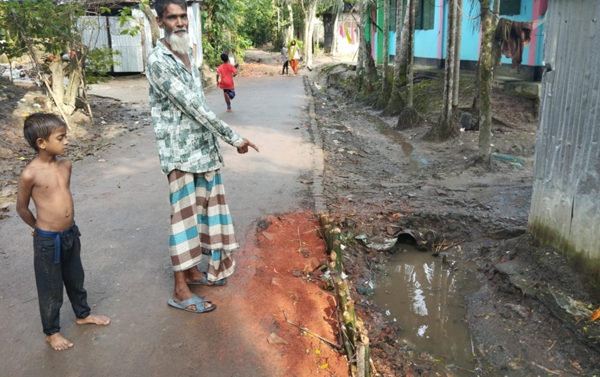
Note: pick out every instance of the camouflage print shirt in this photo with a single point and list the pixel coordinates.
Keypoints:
(186, 130)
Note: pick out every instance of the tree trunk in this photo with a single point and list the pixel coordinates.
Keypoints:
(485, 83)
(291, 27)
(72, 87)
(405, 36)
(153, 25)
(386, 46)
(58, 83)
(409, 117)
(458, 40)
(449, 74)
(411, 54)
(445, 127)
(334, 34)
(396, 102)
(311, 28)
(370, 66)
(362, 44)
(310, 11)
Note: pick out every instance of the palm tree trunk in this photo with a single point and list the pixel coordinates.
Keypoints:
(396, 102)
(449, 76)
(411, 54)
(362, 46)
(336, 18)
(386, 45)
(458, 38)
(291, 27)
(485, 83)
(404, 40)
(312, 13)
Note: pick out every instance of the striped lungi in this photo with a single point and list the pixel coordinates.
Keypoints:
(201, 226)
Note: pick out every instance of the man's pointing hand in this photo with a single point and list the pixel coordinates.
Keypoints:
(243, 148)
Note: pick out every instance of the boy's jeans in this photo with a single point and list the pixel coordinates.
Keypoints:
(50, 276)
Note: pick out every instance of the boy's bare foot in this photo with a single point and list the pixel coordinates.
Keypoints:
(94, 320)
(58, 342)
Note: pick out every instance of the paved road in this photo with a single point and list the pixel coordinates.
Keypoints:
(128, 271)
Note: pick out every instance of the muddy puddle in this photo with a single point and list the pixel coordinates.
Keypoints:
(425, 297)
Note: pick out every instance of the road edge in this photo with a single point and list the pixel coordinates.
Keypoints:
(319, 158)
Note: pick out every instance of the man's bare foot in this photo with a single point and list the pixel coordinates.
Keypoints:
(94, 320)
(58, 342)
(192, 275)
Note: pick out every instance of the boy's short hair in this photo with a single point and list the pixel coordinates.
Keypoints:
(40, 126)
(225, 58)
(161, 5)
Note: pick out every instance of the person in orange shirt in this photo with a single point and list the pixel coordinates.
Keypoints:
(225, 74)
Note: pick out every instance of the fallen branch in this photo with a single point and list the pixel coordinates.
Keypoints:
(9, 144)
(547, 370)
(329, 343)
(465, 370)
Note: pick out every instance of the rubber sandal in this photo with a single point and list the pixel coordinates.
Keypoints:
(194, 300)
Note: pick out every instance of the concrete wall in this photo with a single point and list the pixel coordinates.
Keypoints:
(565, 209)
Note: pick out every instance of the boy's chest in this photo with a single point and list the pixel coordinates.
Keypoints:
(52, 181)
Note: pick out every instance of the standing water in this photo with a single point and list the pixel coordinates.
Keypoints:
(425, 297)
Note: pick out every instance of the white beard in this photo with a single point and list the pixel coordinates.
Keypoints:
(179, 44)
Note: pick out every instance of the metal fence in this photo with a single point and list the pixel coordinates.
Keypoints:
(99, 31)
(565, 208)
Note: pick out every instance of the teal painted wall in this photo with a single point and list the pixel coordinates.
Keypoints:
(427, 42)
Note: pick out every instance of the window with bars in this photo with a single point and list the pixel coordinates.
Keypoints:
(425, 17)
(510, 7)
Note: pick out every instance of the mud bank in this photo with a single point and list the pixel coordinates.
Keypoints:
(380, 182)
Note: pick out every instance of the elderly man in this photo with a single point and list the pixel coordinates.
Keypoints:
(186, 132)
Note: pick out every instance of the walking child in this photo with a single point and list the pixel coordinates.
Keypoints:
(284, 52)
(56, 245)
(225, 74)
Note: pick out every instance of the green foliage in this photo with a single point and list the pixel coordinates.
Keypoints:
(98, 63)
(45, 24)
(222, 20)
(260, 22)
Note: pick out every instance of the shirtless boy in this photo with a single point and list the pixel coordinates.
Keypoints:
(56, 244)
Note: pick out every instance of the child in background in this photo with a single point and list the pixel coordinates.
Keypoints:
(284, 52)
(225, 74)
(56, 245)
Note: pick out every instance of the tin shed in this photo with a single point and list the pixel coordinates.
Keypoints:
(565, 209)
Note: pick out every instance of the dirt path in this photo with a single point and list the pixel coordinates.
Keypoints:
(122, 207)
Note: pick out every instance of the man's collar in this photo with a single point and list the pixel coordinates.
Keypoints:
(164, 48)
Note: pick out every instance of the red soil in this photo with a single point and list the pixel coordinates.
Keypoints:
(272, 276)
